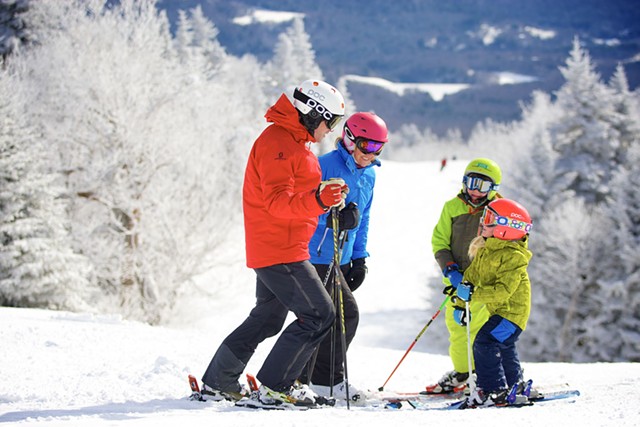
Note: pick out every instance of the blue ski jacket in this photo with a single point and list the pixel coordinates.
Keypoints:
(340, 164)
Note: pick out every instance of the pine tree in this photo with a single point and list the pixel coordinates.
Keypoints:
(628, 115)
(620, 314)
(294, 61)
(584, 271)
(38, 267)
(196, 42)
(205, 36)
(14, 30)
(585, 135)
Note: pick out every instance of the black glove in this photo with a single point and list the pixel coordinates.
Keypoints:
(348, 218)
(460, 316)
(449, 290)
(356, 274)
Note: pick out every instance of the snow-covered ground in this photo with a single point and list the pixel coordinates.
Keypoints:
(65, 369)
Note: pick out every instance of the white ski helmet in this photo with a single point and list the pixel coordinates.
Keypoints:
(317, 101)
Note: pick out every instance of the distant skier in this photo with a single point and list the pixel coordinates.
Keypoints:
(497, 277)
(363, 137)
(282, 198)
(443, 163)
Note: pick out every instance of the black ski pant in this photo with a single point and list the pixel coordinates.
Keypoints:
(280, 288)
(318, 370)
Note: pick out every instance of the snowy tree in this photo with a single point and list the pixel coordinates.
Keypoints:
(529, 172)
(628, 115)
(293, 62)
(569, 161)
(566, 243)
(196, 42)
(152, 150)
(38, 267)
(13, 29)
(585, 135)
(619, 311)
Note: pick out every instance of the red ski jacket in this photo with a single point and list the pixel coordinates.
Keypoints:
(278, 196)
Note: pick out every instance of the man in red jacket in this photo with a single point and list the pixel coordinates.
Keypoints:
(282, 198)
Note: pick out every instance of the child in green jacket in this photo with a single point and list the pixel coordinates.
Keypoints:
(498, 278)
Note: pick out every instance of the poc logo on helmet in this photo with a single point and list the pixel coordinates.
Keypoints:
(318, 107)
(312, 93)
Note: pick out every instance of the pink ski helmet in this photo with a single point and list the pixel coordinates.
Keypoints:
(363, 125)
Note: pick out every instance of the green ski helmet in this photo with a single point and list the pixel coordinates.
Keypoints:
(486, 168)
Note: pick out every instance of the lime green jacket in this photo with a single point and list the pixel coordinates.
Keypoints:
(456, 228)
(499, 275)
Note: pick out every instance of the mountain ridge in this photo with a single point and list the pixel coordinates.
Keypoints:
(429, 41)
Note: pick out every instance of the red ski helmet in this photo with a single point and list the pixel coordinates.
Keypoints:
(510, 219)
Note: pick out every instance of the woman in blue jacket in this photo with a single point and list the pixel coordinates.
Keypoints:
(363, 138)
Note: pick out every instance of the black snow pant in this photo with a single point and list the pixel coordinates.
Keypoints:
(280, 288)
(318, 370)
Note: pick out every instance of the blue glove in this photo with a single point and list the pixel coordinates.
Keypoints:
(465, 290)
(460, 316)
(452, 272)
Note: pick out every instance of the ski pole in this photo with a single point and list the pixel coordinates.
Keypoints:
(415, 341)
(471, 380)
(332, 335)
(343, 333)
(337, 275)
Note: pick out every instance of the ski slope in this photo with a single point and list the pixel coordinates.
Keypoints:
(81, 370)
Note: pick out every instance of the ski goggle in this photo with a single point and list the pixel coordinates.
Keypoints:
(480, 184)
(490, 218)
(331, 119)
(367, 146)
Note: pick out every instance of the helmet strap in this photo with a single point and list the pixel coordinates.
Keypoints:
(470, 201)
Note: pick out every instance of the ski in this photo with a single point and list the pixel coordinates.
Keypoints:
(248, 402)
(254, 404)
(461, 404)
(421, 395)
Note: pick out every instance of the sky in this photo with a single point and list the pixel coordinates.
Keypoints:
(81, 370)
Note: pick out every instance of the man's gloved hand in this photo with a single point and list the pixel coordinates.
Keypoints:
(349, 217)
(356, 275)
(460, 316)
(452, 272)
(465, 290)
(331, 193)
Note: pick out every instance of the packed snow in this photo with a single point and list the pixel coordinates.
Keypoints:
(260, 16)
(80, 370)
(437, 91)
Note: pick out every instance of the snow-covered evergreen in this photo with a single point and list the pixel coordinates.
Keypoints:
(570, 162)
(294, 60)
(585, 134)
(38, 267)
(152, 152)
